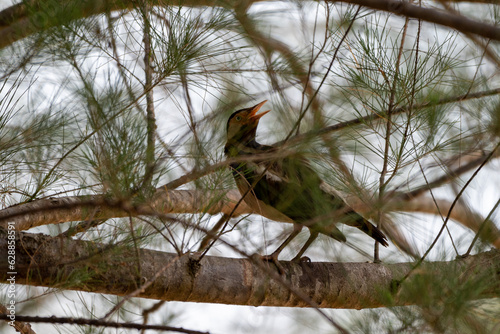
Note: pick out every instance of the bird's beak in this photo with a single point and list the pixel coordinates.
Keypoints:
(253, 113)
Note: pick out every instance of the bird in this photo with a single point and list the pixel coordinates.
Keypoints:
(284, 187)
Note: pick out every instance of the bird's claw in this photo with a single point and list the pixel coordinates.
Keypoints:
(274, 259)
(303, 259)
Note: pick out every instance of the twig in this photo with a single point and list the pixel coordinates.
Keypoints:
(388, 128)
(419, 262)
(100, 323)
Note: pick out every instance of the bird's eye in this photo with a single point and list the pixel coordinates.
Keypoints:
(238, 118)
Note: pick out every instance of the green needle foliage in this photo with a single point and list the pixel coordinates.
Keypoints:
(115, 101)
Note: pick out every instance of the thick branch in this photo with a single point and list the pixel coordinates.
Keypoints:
(84, 208)
(29, 17)
(21, 20)
(81, 208)
(433, 15)
(61, 263)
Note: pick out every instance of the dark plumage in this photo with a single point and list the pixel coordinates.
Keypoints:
(286, 188)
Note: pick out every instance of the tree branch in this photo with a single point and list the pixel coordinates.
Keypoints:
(21, 326)
(59, 263)
(433, 15)
(82, 208)
(99, 323)
(460, 213)
(78, 208)
(24, 19)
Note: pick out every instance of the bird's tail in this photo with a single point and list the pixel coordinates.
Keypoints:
(335, 233)
(356, 220)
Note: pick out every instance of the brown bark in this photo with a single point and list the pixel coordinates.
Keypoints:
(24, 19)
(20, 21)
(84, 208)
(432, 15)
(460, 213)
(81, 208)
(81, 265)
(20, 326)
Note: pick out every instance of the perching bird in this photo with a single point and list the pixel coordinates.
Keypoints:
(286, 188)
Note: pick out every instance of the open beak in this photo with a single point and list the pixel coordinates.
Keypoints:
(253, 113)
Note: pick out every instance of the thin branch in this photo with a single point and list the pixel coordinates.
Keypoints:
(148, 87)
(20, 325)
(148, 311)
(100, 323)
(455, 201)
(460, 214)
(387, 139)
(482, 227)
(450, 175)
(371, 117)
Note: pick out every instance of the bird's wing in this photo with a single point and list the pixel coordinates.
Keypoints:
(288, 189)
(287, 184)
(257, 202)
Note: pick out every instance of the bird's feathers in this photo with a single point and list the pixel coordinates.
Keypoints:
(286, 188)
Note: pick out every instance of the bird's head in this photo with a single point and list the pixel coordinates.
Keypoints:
(242, 125)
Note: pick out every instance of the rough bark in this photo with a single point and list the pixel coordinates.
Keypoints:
(85, 266)
(84, 208)
(21, 20)
(81, 208)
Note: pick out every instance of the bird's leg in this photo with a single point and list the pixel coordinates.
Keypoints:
(212, 234)
(274, 256)
(312, 237)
